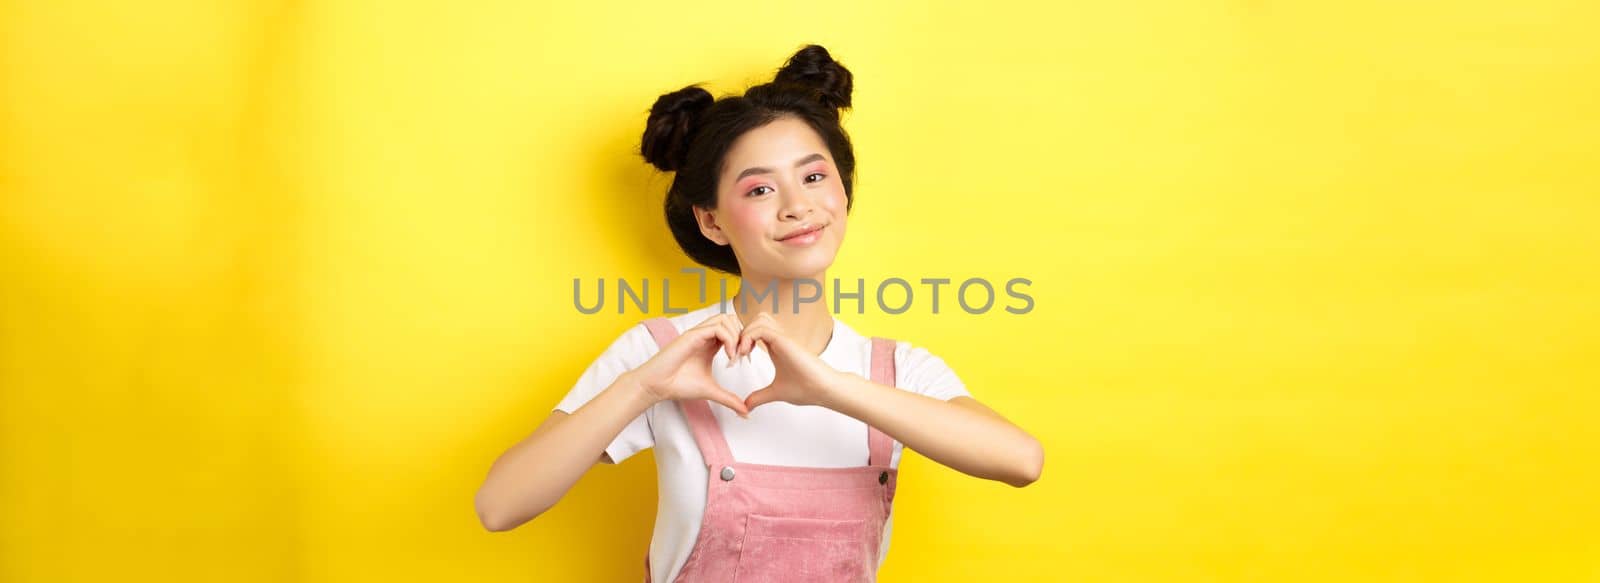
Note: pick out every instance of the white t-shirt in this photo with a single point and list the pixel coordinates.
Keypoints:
(776, 433)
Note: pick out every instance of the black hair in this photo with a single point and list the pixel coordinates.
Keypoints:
(689, 133)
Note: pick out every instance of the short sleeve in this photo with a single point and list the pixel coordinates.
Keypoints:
(924, 373)
(626, 353)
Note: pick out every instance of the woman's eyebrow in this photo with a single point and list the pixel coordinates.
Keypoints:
(765, 170)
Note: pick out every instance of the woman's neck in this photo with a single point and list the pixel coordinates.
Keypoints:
(807, 321)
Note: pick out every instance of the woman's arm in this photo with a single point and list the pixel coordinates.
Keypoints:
(530, 477)
(534, 474)
(960, 433)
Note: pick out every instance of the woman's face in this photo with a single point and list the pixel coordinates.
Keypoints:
(780, 202)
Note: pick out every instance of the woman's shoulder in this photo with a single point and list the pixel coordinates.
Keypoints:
(919, 368)
(638, 335)
(689, 319)
(632, 346)
(906, 352)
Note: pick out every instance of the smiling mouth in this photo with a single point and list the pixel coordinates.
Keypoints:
(802, 233)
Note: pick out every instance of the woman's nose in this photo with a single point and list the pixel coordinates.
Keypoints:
(796, 202)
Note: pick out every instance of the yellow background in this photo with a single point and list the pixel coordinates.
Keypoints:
(1316, 284)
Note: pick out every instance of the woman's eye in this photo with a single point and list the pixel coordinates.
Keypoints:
(812, 177)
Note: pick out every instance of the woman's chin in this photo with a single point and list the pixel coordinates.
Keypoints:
(803, 266)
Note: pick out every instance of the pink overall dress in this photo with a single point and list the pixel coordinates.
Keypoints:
(765, 523)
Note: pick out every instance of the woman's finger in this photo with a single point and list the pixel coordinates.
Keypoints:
(728, 400)
(738, 329)
(766, 336)
(687, 343)
(766, 395)
(730, 323)
(727, 338)
(709, 327)
(748, 335)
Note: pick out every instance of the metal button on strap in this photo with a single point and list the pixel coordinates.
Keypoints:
(727, 473)
(883, 477)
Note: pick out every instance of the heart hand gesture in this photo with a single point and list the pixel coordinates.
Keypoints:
(801, 377)
(681, 370)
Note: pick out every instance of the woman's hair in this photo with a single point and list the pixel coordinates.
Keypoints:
(689, 133)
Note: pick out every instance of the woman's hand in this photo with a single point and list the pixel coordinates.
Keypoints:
(801, 377)
(682, 369)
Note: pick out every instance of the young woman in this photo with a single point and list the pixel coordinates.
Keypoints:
(777, 428)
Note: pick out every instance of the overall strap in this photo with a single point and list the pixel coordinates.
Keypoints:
(707, 435)
(879, 446)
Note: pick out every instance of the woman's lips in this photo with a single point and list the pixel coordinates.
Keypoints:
(803, 238)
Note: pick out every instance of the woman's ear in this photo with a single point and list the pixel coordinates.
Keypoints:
(707, 219)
